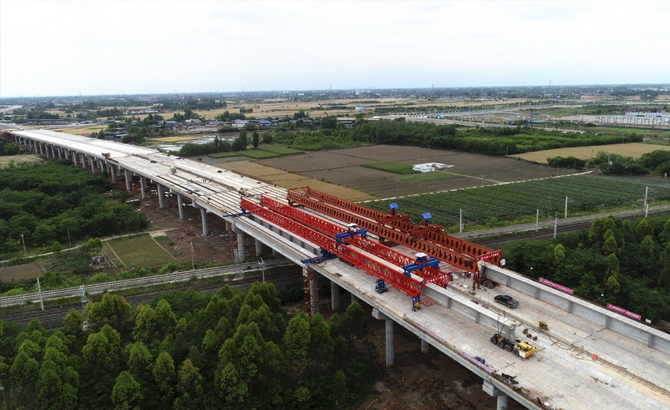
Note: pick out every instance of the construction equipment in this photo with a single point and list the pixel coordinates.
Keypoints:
(523, 349)
(352, 247)
(380, 287)
(543, 326)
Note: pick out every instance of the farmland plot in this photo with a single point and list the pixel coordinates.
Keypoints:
(515, 200)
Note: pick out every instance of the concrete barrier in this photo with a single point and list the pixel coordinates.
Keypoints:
(654, 338)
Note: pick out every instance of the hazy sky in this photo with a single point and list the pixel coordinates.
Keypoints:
(98, 47)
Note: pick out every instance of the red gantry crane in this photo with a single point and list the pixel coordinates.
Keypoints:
(352, 245)
(397, 228)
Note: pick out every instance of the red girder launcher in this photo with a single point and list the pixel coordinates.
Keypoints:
(350, 246)
(397, 228)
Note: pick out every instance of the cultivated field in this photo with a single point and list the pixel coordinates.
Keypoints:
(343, 167)
(79, 130)
(177, 138)
(18, 159)
(142, 251)
(634, 150)
(288, 180)
(20, 272)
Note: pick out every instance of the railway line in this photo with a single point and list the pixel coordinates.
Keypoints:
(54, 317)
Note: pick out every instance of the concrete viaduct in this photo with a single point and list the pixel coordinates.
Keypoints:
(590, 358)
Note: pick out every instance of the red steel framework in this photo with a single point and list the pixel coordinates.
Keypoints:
(375, 248)
(456, 259)
(358, 258)
(431, 233)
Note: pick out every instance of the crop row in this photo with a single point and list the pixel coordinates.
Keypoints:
(510, 201)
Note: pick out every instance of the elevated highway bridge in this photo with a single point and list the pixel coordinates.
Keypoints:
(589, 358)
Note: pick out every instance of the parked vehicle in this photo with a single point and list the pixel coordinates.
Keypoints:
(507, 300)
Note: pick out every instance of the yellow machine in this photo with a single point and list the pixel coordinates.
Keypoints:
(525, 350)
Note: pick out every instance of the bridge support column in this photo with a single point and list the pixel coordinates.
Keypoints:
(240, 245)
(83, 160)
(424, 346)
(160, 195)
(311, 290)
(203, 216)
(74, 158)
(354, 298)
(180, 205)
(128, 179)
(143, 186)
(274, 252)
(389, 343)
(101, 165)
(259, 247)
(389, 335)
(91, 163)
(334, 296)
(60, 153)
(112, 172)
(493, 391)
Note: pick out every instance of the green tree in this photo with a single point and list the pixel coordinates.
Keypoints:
(126, 394)
(664, 277)
(643, 229)
(255, 139)
(93, 246)
(164, 375)
(103, 349)
(189, 385)
(140, 361)
(559, 254)
(113, 310)
(146, 324)
(73, 323)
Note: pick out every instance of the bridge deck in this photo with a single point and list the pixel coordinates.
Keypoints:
(559, 373)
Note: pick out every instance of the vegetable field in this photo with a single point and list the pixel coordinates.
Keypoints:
(394, 167)
(507, 202)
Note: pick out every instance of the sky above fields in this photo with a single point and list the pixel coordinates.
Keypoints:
(124, 47)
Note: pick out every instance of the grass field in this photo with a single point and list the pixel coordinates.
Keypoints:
(18, 159)
(280, 149)
(226, 154)
(259, 154)
(393, 167)
(142, 251)
(634, 150)
(79, 130)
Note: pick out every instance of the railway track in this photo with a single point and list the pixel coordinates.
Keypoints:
(147, 280)
(54, 317)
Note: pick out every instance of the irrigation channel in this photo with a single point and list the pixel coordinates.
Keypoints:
(53, 317)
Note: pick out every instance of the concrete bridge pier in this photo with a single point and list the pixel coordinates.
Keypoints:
(112, 172)
(334, 295)
(82, 159)
(425, 346)
(493, 391)
(91, 163)
(60, 153)
(354, 298)
(161, 194)
(143, 186)
(389, 335)
(203, 216)
(129, 179)
(241, 252)
(259, 247)
(74, 158)
(180, 205)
